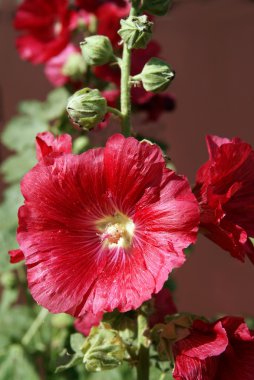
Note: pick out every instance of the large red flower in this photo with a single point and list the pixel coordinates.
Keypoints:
(225, 191)
(102, 230)
(223, 350)
(45, 27)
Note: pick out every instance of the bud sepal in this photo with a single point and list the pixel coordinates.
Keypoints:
(136, 31)
(156, 75)
(97, 50)
(87, 108)
(103, 349)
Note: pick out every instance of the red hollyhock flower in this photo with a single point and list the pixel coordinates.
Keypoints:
(223, 350)
(225, 191)
(45, 24)
(102, 230)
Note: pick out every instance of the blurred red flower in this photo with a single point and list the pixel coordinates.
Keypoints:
(45, 27)
(223, 350)
(225, 191)
(102, 230)
(93, 5)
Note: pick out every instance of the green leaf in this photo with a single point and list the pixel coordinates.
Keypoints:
(12, 200)
(73, 362)
(77, 341)
(14, 167)
(52, 108)
(20, 132)
(16, 321)
(15, 366)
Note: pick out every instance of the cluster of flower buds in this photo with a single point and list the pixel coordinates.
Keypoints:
(86, 107)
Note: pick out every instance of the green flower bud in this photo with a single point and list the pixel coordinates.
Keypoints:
(136, 32)
(103, 349)
(97, 50)
(61, 320)
(75, 66)
(87, 108)
(156, 75)
(156, 7)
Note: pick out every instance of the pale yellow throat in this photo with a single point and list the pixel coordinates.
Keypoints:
(116, 231)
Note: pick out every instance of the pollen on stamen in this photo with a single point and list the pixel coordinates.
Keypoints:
(116, 231)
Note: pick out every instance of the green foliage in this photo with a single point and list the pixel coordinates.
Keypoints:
(16, 166)
(15, 365)
(20, 132)
(156, 7)
(49, 110)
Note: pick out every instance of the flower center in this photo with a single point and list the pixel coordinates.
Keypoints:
(116, 231)
(57, 28)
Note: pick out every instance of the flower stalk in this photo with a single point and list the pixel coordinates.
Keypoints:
(126, 85)
(34, 326)
(143, 364)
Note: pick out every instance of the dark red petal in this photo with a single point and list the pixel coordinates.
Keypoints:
(163, 305)
(47, 143)
(84, 323)
(16, 256)
(187, 368)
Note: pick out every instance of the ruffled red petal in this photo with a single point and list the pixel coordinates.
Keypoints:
(225, 191)
(47, 143)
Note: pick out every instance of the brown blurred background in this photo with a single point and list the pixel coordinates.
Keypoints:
(210, 44)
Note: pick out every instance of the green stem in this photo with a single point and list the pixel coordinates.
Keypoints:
(34, 326)
(115, 111)
(126, 91)
(126, 86)
(143, 365)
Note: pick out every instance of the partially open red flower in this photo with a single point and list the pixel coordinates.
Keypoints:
(102, 230)
(45, 27)
(223, 350)
(225, 191)
(163, 305)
